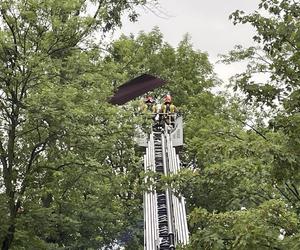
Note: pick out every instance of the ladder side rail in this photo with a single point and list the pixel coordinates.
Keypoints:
(156, 228)
(150, 202)
(150, 232)
(145, 198)
(176, 221)
(154, 196)
(184, 234)
(152, 217)
(185, 226)
(174, 198)
(150, 196)
(148, 235)
(182, 201)
(178, 207)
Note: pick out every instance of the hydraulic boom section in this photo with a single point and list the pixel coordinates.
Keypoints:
(165, 223)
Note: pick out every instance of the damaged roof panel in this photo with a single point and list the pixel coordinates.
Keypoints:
(136, 87)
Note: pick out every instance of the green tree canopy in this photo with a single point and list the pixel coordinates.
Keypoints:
(186, 70)
(244, 193)
(63, 148)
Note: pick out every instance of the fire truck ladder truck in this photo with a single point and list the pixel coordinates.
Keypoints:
(165, 223)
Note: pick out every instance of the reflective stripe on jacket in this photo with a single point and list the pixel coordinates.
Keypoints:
(168, 108)
(150, 108)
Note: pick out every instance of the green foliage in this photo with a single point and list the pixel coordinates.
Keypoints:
(250, 229)
(245, 152)
(277, 26)
(186, 71)
(277, 33)
(69, 173)
(232, 160)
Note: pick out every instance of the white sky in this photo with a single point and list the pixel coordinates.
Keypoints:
(205, 20)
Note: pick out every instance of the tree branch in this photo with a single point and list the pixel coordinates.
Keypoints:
(283, 194)
(292, 191)
(71, 185)
(3, 156)
(295, 188)
(3, 12)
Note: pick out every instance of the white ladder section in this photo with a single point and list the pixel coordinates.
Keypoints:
(165, 222)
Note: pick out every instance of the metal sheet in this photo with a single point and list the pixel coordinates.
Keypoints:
(136, 87)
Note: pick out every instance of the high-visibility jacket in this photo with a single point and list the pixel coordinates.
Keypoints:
(168, 108)
(151, 108)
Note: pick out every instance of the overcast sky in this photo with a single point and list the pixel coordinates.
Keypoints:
(205, 20)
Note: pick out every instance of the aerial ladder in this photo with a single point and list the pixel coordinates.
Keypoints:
(165, 222)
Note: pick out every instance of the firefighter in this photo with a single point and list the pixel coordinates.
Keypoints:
(168, 110)
(149, 105)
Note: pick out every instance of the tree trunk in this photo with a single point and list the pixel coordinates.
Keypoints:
(9, 237)
(8, 181)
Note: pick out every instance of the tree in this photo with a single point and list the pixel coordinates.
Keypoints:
(228, 172)
(246, 156)
(232, 181)
(58, 186)
(242, 158)
(277, 35)
(186, 70)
